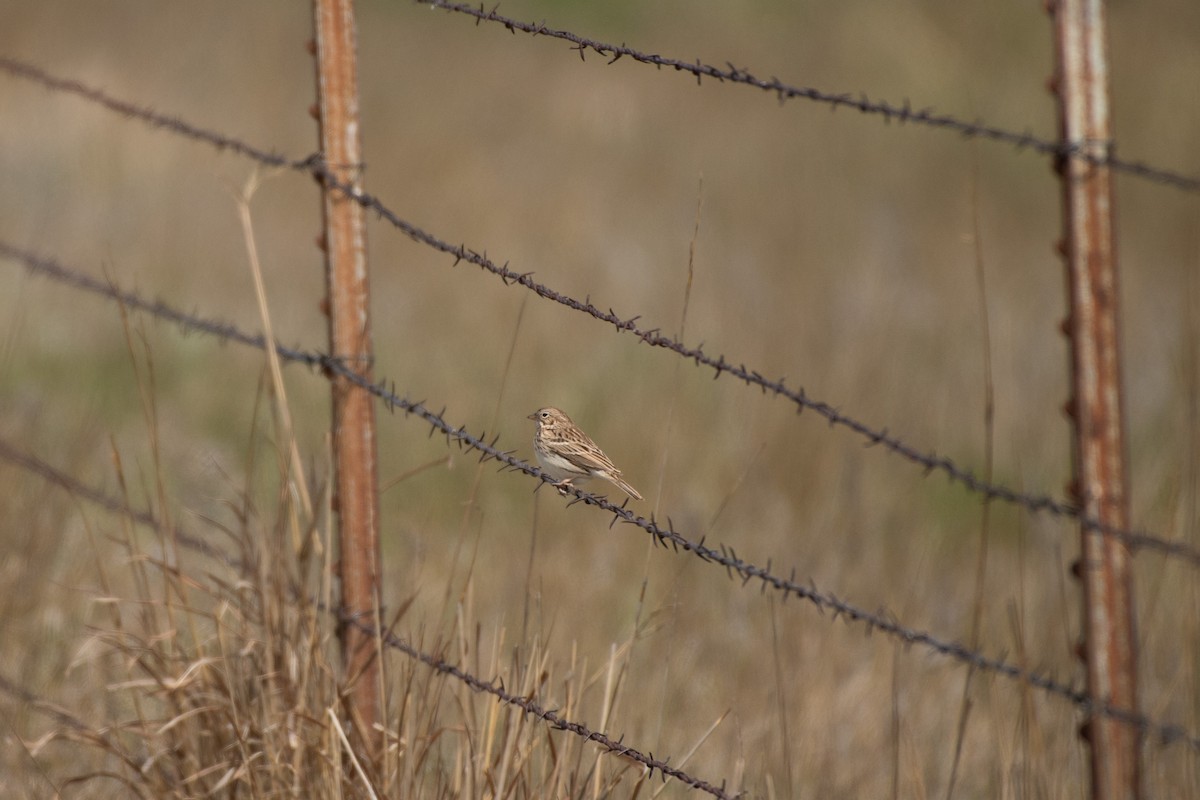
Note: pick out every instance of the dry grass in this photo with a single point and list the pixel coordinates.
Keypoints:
(830, 248)
(219, 677)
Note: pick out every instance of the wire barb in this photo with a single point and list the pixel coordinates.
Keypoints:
(315, 165)
(723, 555)
(901, 113)
(343, 616)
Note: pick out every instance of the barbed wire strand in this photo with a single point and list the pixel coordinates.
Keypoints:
(1034, 503)
(36, 702)
(108, 503)
(929, 461)
(722, 555)
(45, 707)
(860, 102)
(549, 715)
(21, 69)
(496, 688)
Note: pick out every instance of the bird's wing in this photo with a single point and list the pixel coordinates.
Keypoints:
(585, 455)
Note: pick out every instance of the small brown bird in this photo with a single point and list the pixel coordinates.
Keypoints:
(568, 455)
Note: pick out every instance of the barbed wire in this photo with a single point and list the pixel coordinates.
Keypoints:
(96, 497)
(549, 715)
(496, 687)
(36, 702)
(929, 461)
(860, 102)
(21, 69)
(43, 706)
(722, 555)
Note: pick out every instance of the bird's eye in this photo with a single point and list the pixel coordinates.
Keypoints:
(545, 414)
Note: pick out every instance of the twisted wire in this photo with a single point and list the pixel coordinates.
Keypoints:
(930, 461)
(904, 113)
(722, 555)
(496, 688)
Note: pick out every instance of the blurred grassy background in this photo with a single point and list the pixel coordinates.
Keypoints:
(833, 248)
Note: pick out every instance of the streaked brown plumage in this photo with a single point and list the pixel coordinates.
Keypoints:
(568, 455)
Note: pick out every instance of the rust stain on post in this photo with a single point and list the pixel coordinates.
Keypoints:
(1100, 482)
(350, 340)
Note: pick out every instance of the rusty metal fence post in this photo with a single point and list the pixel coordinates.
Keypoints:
(356, 500)
(1099, 485)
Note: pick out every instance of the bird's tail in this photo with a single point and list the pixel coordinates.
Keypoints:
(625, 487)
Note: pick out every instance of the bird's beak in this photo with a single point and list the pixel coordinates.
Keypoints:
(532, 416)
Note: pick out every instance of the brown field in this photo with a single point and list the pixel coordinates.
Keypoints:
(829, 247)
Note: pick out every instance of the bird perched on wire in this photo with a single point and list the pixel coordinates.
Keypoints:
(569, 456)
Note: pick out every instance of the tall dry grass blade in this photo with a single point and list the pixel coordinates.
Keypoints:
(687, 299)
(606, 703)
(523, 749)
(1028, 731)
(471, 503)
(292, 468)
(452, 581)
(894, 728)
(239, 712)
(141, 580)
(349, 751)
(172, 588)
(417, 470)
(989, 434)
(494, 425)
(737, 484)
(149, 412)
(785, 739)
(1190, 501)
(687, 756)
(533, 528)
(146, 382)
